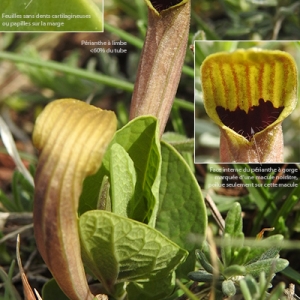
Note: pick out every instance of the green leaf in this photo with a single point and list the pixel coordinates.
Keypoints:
(9, 288)
(233, 221)
(204, 261)
(263, 282)
(152, 289)
(292, 273)
(117, 249)
(277, 292)
(259, 194)
(7, 203)
(226, 249)
(273, 252)
(201, 276)
(266, 265)
(287, 206)
(179, 141)
(233, 229)
(186, 290)
(182, 210)
(249, 287)
(242, 255)
(207, 250)
(234, 270)
(123, 180)
(264, 245)
(51, 291)
(228, 288)
(104, 202)
(140, 140)
(43, 15)
(89, 198)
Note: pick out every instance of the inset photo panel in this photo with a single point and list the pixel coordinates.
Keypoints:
(54, 15)
(246, 101)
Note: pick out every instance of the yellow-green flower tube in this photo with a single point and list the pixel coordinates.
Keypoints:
(72, 137)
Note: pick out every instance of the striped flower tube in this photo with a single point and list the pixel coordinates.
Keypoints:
(248, 93)
(72, 137)
(162, 59)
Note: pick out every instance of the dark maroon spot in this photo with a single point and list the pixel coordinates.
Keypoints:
(258, 118)
(160, 5)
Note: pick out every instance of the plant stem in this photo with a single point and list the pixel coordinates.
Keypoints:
(161, 61)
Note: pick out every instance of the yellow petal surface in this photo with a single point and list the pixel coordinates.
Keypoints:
(72, 137)
(248, 93)
(241, 78)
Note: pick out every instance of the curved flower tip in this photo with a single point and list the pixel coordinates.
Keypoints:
(248, 93)
(72, 137)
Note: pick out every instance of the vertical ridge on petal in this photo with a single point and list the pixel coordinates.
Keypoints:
(72, 137)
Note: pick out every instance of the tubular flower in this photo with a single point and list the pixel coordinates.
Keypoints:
(162, 59)
(248, 93)
(72, 137)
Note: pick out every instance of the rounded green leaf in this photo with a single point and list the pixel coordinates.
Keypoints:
(118, 249)
(152, 289)
(228, 288)
(182, 211)
(140, 139)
